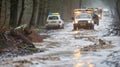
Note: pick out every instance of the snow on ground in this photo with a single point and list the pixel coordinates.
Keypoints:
(62, 49)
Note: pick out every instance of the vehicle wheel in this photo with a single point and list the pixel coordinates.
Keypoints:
(97, 23)
(79, 27)
(94, 22)
(59, 27)
(88, 27)
(62, 27)
(75, 28)
(47, 28)
(92, 26)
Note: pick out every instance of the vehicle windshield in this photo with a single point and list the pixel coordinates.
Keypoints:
(106, 11)
(83, 16)
(95, 12)
(53, 18)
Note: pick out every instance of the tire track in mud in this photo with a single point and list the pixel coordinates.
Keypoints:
(99, 43)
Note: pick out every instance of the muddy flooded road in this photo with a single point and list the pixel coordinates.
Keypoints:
(67, 48)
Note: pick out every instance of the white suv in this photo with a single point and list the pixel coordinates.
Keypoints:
(54, 21)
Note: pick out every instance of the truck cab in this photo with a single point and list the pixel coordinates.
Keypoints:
(83, 18)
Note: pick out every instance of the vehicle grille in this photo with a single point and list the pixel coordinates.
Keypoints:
(82, 22)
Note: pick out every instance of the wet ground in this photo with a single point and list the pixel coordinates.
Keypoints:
(67, 48)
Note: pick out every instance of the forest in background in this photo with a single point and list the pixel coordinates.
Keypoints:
(13, 13)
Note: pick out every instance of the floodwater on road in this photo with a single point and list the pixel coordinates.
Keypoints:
(67, 48)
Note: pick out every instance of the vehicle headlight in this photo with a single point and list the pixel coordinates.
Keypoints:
(90, 21)
(75, 22)
(99, 15)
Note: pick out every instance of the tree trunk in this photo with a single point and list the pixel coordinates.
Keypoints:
(21, 13)
(39, 12)
(80, 4)
(47, 9)
(117, 8)
(13, 13)
(5, 11)
(42, 12)
(0, 9)
(35, 12)
(32, 20)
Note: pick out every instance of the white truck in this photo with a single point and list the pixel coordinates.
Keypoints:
(83, 18)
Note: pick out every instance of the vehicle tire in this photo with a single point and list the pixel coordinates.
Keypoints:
(95, 22)
(98, 23)
(74, 27)
(59, 27)
(88, 27)
(92, 26)
(47, 28)
(79, 27)
(62, 27)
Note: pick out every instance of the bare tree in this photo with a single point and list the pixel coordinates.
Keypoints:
(39, 12)
(32, 20)
(21, 13)
(5, 12)
(117, 8)
(0, 8)
(80, 3)
(45, 11)
(13, 13)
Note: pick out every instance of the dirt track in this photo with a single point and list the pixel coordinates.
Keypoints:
(67, 48)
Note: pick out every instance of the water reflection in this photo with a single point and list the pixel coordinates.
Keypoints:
(79, 64)
(83, 63)
(91, 65)
(77, 54)
(76, 32)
